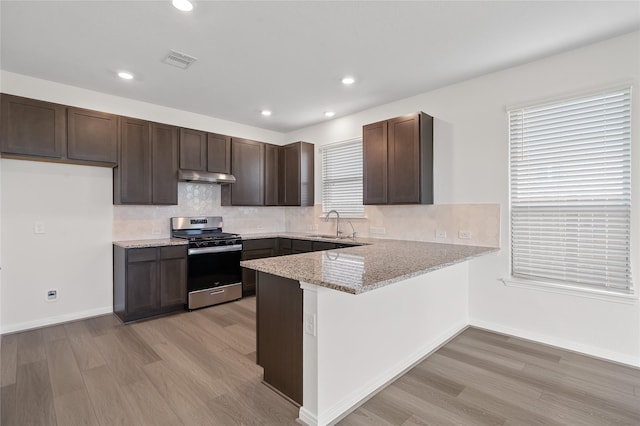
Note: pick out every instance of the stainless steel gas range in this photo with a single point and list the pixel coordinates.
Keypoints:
(213, 262)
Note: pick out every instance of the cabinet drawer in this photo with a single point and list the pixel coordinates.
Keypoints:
(322, 245)
(141, 254)
(301, 245)
(263, 243)
(173, 252)
(258, 253)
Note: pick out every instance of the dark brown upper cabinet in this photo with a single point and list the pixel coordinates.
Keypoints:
(295, 179)
(44, 130)
(202, 151)
(374, 148)
(398, 160)
(92, 136)
(193, 149)
(270, 175)
(147, 171)
(271, 153)
(218, 153)
(247, 165)
(164, 169)
(33, 128)
(132, 177)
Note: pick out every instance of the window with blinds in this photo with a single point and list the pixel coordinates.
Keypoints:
(571, 191)
(342, 178)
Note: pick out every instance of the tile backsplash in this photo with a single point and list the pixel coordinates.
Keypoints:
(468, 224)
(194, 199)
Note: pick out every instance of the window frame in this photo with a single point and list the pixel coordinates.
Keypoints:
(357, 213)
(568, 286)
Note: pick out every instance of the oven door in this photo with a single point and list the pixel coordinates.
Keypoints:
(210, 267)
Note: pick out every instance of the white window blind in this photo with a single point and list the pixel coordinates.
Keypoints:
(342, 178)
(571, 191)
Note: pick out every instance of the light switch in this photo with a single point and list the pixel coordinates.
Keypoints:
(38, 227)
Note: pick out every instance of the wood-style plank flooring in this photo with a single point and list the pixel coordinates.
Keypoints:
(193, 368)
(484, 378)
(198, 368)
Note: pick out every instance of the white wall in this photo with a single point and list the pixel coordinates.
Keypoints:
(365, 341)
(471, 152)
(73, 255)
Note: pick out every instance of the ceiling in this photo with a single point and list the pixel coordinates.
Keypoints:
(290, 56)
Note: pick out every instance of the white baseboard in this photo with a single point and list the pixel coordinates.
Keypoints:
(558, 342)
(307, 417)
(43, 322)
(359, 396)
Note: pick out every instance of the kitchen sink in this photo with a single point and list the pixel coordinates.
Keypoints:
(330, 237)
(325, 236)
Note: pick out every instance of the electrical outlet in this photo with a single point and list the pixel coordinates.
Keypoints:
(377, 230)
(38, 227)
(441, 233)
(52, 295)
(464, 235)
(310, 324)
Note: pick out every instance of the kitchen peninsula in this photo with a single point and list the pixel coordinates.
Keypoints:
(334, 326)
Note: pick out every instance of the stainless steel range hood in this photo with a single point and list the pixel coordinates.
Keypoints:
(205, 177)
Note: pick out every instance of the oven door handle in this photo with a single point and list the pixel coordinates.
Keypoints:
(217, 249)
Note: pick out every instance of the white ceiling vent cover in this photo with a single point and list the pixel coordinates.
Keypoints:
(179, 60)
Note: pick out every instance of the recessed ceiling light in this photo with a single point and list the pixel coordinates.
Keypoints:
(265, 112)
(125, 75)
(348, 80)
(329, 113)
(183, 5)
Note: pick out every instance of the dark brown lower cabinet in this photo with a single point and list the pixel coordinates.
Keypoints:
(148, 281)
(279, 304)
(255, 249)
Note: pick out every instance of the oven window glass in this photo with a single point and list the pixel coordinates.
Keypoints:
(214, 270)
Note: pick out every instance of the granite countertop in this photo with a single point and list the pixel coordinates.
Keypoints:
(363, 268)
(158, 242)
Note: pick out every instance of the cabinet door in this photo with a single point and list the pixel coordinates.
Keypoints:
(374, 146)
(33, 127)
(247, 165)
(193, 149)
(142, 290)
(92, 136)
(271, 175)
(218, 153)
(284, 246)
(289, 177)
(173, 282)
(164, 148)
(404, 160)
(305, 187)
(279, 316)
(133, 174)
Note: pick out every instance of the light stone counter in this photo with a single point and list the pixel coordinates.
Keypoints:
(363, 268)
(159, 242)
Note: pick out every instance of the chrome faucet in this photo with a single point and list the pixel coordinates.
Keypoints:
(326, 219)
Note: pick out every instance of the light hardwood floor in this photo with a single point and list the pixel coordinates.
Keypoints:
(198, 368)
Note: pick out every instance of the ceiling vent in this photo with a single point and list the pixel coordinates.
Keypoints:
(179, 60)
